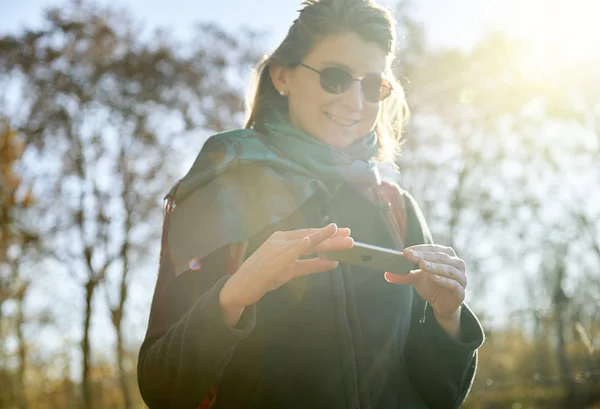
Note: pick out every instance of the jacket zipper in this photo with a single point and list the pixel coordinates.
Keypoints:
(355, 394)
(355, 391)
(392, 226)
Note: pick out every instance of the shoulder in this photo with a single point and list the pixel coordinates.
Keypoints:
(221, 154)
(231, 136)
(224, 146)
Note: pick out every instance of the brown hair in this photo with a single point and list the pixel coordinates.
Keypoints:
(317, 20)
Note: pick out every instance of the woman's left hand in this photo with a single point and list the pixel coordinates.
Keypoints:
(441, 279)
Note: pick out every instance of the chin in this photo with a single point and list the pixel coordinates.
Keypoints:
(339, 141)
(339, 137)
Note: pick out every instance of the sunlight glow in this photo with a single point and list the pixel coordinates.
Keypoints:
(568, 29)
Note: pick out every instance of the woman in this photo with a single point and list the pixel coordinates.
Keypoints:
(244, 315)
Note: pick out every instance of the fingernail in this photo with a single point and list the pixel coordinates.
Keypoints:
(416, 254)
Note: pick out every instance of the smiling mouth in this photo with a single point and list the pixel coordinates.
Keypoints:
(346, 122)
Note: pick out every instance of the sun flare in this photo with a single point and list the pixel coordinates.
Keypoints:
(570, 29)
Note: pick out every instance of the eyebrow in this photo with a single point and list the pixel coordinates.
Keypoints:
(332, 63)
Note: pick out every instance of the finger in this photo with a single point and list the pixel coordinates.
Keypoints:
(444, 270)
(457, 290)
(443, 258)
(295, 234)
(429, 248)
(305, 245)
(313, 265)
(413, 278)
(298, 234)
(342, 232)
(323, 234)
(420, 280)
(334, 244)
(290, 254)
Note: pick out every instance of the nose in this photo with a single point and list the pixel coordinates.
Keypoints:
(353, 97)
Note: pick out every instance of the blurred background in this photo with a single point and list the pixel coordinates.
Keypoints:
(104, 104)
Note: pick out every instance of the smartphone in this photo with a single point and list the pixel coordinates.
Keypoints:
(378, 258)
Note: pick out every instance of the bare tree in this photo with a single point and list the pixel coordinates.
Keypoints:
(100, 110)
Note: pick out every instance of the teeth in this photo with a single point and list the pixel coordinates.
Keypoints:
(338, 120)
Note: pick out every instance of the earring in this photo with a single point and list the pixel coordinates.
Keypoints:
(282, 93)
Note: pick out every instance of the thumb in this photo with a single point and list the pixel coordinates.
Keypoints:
(413, 278)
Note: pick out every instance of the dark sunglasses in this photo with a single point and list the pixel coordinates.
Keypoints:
(336, 80)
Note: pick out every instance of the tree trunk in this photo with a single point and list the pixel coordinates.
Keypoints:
(122, 372)
(117, 319)
(561, 349)
(564, 368)
(90, 288)
(119, 312)
(22, 349)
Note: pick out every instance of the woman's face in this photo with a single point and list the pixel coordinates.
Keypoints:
(341, 119)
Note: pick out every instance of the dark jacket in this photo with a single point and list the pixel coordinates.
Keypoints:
(336, 340)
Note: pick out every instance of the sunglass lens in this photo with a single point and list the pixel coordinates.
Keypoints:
(335, 80)
(375, 89)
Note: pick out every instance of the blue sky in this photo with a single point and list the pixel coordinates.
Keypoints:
(458, 22)
(569, 24)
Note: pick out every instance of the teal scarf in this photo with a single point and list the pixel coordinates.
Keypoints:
(354, 164)
(243, 180)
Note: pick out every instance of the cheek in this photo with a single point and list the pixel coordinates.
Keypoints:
(305, 112)
(308, 105)
(370, 115)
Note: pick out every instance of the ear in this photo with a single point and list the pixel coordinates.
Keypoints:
(280, 78)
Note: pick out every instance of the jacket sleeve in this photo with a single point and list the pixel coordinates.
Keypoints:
(441, 368)
(187, 344)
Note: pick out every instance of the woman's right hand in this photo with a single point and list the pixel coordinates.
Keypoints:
(276, 262)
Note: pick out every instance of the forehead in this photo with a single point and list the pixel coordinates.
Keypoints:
(348, 50)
